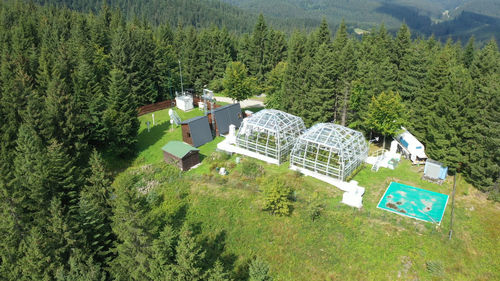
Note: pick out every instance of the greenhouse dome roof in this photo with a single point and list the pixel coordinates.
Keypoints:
(334, 136)
(274, 120)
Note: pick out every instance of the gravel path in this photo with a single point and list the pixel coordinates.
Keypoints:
(243, 104)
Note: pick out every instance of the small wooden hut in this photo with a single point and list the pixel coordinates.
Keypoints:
(181, 154)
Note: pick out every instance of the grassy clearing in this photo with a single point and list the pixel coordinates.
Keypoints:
(343, 243)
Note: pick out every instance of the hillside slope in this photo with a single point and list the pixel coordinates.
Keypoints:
(458, 19)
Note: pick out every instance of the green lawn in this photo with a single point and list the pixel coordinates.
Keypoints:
(344, 243)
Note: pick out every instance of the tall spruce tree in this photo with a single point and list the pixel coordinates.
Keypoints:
(95, 212)
(121, 115)
(189, 257)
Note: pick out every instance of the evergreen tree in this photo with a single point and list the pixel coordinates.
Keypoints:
(121, 115)
(482, 167)
(275, 87)
(469, 51)
(402, 45)
(259, 270)
(259, 66)
(297, 68)
(322, 94)
(217, 273)
(324, 36)
(35, 263)
(31, 189)
(81, 269)
(413, 74)
(95, 211)
(131, 225)
(189, 257)
(162, 264)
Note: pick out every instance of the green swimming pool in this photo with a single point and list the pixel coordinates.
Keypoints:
(414, 202)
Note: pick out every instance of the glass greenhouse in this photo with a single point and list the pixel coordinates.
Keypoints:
(270, 133)
(330, 149)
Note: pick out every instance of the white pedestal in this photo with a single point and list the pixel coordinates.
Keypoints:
(354, 198)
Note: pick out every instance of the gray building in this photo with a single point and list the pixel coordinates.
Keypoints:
(196, 131)
(225, 116)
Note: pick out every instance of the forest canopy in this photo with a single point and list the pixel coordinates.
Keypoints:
(70, 84)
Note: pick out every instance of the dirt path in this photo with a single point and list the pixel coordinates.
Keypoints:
(243, 104)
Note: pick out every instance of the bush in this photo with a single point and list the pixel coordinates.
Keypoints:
(259, 270)
(314, 209)
(251, 169)
(277, 196)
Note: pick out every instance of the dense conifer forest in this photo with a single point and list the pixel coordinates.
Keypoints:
(70, 84)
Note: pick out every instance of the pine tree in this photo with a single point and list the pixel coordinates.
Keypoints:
(413, 73)
(259, 66)
(321, 96)
(275, 87)
(162, 263)
(259, 270)
(35, 263)
(121, 116)
(95, 211)
(217, 273)
(324, 36)
(132, 227)
(402, 45)
(468, 57)
(482, 167)
(295, 75)
(31, 189)
(189, 257)
(81, 268)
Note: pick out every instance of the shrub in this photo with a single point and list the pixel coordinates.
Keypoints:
(314, 209)
(251, 169)
(277, 196)
(259, 270)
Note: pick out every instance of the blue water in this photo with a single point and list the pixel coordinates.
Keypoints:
(414, 202)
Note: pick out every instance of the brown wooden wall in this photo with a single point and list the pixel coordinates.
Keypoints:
(171, 159)
(155, 107)
(186, 134)
(166, 104)
(190, 160)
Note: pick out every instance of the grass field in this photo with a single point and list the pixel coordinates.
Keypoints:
(344, 243)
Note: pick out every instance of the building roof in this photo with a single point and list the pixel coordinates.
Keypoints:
(199, 130)
(275, 120)
(193, 119)
(227, 115)
(342, 139)
(178, 148)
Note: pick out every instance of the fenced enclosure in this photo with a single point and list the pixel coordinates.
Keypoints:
(330, 149)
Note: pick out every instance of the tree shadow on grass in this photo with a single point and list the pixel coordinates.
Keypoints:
(145, 139)
(215, 250)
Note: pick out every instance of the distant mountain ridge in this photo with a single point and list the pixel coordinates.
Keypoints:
(456, 19)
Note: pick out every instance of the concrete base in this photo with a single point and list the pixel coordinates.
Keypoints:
(383, 161)
(353, 195)
(226, 146)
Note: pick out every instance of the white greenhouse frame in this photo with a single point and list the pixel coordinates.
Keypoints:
(270, 133)
(330, 149)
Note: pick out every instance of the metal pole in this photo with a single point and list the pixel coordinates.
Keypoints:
(180, 71)
(452, 205)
